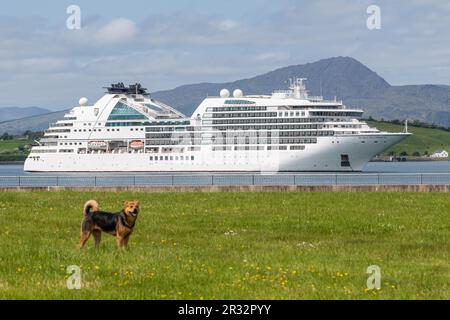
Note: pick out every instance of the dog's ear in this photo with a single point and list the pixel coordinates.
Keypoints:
(125, 204)
(137, 203)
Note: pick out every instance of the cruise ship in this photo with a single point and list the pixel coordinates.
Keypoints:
(287, 131)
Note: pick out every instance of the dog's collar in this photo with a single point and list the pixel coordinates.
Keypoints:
(124, 221)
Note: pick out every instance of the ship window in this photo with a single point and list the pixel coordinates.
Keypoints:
(151, 158)
(181, 157)
(192, 157)
(122, 111)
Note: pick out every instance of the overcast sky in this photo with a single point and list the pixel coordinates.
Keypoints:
(164, 44)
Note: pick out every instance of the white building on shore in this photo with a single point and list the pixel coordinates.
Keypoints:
(439, 154)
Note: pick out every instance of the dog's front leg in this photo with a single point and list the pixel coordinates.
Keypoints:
(125, 240)
(120, 242)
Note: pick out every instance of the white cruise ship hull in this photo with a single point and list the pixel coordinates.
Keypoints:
(325, 155)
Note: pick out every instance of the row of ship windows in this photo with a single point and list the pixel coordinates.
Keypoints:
(233, 133)
(245, 121)
(253, 148)
(260, 127)
(295, 120)
(215, 109)
(271, 120)
(221, 148)
(171, 158)
(231, 141)
(335, 114)
(99, 130)
(254, 114)
(240, 115)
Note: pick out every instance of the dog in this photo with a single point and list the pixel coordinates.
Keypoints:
(119, 224)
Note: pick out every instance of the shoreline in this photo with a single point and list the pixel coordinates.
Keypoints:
(11, 162)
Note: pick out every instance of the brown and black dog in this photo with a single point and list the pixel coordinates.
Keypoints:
(119, 224)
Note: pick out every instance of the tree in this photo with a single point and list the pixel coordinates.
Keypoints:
(6, 136)
(403, 153)
(416, 154)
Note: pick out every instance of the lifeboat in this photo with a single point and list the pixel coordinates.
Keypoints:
(137, 144)
(97, 145)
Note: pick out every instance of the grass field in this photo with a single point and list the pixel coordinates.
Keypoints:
(423, 139)
(10, 146)
(230, 246)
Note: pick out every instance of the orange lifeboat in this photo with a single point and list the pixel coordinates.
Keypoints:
(137, 144)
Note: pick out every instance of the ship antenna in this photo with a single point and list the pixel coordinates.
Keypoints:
(406, 126)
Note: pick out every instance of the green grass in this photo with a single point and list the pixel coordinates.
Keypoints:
(9, 149)
(10, 146)
(423, 139)
(230, 246)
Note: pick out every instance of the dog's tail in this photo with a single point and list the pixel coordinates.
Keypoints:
(90, 205)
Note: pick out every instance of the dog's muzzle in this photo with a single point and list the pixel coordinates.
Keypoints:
(134, 213)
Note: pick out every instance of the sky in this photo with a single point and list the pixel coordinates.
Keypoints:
(164, 44)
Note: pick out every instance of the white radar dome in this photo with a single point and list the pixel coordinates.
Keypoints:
(83, 101)
(224, 93)
(237, 93)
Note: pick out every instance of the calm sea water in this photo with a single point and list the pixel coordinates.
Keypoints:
(371, 167)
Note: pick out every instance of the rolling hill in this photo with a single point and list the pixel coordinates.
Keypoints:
(11, 113)
(422, 139)
(35, 123)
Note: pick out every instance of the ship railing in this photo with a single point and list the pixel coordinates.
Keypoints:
(162, 104)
